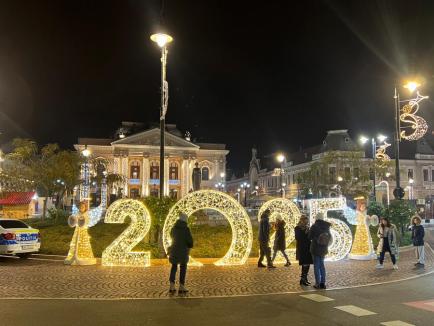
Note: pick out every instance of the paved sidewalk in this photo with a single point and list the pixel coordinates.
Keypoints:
(52, 279)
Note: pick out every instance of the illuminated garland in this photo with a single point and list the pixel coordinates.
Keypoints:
(290, 215)
(417, 124)
(119, 252)
(381, 153)
(341, 233)
(237, 217)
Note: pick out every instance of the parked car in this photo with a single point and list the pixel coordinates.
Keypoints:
(17, 238)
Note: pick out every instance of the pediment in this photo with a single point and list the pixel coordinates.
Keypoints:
(152, 138)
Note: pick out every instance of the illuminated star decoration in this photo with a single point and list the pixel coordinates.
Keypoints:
(417, 125)
(119, 252)
(341, 233)
(237, 217)
(290, 215)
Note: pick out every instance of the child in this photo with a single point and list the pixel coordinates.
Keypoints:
(417, 236)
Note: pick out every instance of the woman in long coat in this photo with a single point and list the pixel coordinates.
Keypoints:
(179, 251)
(389, 242)
(303, 254)
(280, 240)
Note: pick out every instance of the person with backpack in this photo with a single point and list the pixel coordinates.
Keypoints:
(264, 239)
(389, 242)
(417, 235)
(302, 252)
(179, 251)
(320, 237)
(280, 240)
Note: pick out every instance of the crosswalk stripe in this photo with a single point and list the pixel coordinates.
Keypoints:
(317, 297)
(395, 323)
(356, 311)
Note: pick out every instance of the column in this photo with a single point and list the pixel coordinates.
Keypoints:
(125, 173)
(145, 177)
(166, 177)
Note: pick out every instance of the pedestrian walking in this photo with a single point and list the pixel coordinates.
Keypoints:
(302, 252)
(280, 240)
(417, 235)
(388, 242)
(179, 251)
(320, 237)
(264, 239)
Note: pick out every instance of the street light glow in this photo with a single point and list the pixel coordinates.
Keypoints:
(410, 181)
(381, 138)
(222, 174)
(412, 85)
(340, 179)
(280, 158)
(86, 152)
(363, 139)
(161, 39)
(387, 174)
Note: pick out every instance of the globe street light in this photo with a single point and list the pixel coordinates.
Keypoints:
(162, 40)
(281, 159)
(381, 139)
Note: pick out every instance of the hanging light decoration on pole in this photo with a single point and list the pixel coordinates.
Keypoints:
(162, 41)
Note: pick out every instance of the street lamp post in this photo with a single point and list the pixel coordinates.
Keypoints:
(363, 140)
(238, 195)
(85, 193)
(245, 186)
(411, 182)
(281, 159)
(162, 40)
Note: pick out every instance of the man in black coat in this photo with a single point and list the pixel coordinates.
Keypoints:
(417, 235)
(320, 237)
(264, 239)
(179, 251)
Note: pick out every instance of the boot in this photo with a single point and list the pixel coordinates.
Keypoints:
(172, 288)
(182, 289)
(288, 263)
(303, 277)
(261, 265)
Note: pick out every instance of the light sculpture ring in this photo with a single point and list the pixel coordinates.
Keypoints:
(342, 240)
(290, 215)
(119, 252)
(226, 205)
(341, 233)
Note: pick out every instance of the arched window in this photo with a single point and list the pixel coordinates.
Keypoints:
(205, 173)
(154, 171)
(135, 170)
(173, 171)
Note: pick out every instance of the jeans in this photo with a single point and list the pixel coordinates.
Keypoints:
(264, 251)
(386, 248)
(182, 273)
(283, 253)
(319, 270)
(420, 254)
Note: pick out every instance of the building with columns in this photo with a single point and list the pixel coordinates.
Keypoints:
(137, 156)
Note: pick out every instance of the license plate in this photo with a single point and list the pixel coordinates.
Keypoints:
(25, 247)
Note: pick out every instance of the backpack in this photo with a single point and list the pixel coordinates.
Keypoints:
(323, 239)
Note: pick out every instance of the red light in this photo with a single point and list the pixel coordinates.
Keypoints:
(8, 236)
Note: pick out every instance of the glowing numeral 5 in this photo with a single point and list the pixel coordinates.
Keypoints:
(119, 253)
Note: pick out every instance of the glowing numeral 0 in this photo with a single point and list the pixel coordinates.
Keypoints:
(290, 215)
(119, 253)
(226, 205)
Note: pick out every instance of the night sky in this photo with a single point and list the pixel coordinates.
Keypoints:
(275, 74)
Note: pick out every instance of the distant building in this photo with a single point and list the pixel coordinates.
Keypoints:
(416, 164)
(136, 155)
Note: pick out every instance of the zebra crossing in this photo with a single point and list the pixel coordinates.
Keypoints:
(352, 309)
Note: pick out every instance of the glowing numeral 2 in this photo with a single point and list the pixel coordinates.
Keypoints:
(119, 253)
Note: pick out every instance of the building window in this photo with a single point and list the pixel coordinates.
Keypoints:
(154, 171)
(425, 175)
(332, 174)
(173, 171)
(356, 172)
(432, 175)
(410, 173)
(135, 170)
(134, 193)
(205, 173)
(347, 172)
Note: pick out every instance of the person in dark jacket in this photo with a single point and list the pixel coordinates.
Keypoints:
(280, 240)
(417, 235)
(302, 252)
(179, 251)
(264, 239)
(320, 237)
